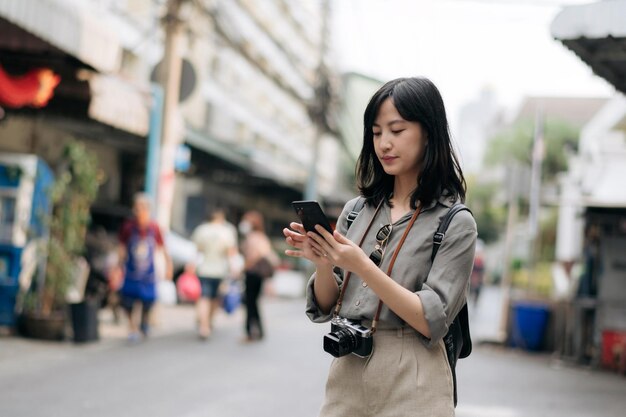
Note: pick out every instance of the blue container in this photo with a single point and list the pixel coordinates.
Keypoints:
(8, 293)
(529, 325)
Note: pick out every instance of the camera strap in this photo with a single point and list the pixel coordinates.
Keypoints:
(416, 213)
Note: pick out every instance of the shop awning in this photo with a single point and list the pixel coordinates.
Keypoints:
(245, 162)
(214, 147)
(69, 25)
(119, 103)
(596, 32)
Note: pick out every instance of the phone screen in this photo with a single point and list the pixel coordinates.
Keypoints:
(310, 213)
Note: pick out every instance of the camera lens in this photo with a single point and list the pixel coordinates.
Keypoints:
(340, 342)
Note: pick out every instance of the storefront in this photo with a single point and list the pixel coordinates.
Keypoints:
(593, 204)
(80, 57)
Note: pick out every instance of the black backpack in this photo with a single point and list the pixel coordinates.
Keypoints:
(458, 341)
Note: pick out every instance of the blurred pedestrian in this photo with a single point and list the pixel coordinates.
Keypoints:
(216, 241)
(140, 239)
(398, 304)
(259, 261)
(592, 265)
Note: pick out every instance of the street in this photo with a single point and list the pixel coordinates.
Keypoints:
(175, 374)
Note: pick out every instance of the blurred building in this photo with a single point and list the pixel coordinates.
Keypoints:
(96, 101)
(515, 177)
(575, 111)
(592, 218)
(247, 120)
(356, 91)
(479, 120)
(249, 71)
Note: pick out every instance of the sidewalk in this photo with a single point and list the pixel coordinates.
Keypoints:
(486, 317)
(170, 319)
(167, 320)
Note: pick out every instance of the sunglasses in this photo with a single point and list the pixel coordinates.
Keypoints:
(382, 238)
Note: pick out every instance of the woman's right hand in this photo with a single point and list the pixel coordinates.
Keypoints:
(296, 237)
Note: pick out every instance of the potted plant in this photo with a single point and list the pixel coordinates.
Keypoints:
(74, 190)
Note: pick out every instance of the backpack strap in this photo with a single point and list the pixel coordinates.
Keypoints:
(443, 227)
(356, 209)
(458, 341)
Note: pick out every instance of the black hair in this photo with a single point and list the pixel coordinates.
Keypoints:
(417, 99)
(213, 210)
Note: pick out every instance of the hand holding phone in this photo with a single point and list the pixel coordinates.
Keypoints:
(310, 214)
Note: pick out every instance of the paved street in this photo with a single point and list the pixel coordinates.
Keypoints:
(174, 374)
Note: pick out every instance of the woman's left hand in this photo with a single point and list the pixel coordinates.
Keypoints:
(340, 250)
(301, 241)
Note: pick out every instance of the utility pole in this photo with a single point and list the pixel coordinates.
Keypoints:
(319, 106)
(172, 128)
(512, 215)
(535, 193)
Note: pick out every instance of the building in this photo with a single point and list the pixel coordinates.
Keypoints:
(592, 222)
(247, 121)
(249, 72)
(97, 101)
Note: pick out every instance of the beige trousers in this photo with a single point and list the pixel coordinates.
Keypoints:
(402, 378)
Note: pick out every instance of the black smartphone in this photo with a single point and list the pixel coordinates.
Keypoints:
(310, 213)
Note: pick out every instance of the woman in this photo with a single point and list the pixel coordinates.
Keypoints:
(259, 260)
(409, 176)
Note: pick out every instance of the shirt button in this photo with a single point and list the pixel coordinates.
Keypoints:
(364, 284)
(358, 302)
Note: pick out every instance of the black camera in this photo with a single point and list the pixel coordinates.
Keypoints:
(347, 336)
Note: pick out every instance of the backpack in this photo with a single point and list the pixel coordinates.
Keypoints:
(457, 341)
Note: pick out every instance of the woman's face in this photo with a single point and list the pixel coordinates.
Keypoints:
(399, 144)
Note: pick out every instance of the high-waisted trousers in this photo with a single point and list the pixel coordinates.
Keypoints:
(401, 378)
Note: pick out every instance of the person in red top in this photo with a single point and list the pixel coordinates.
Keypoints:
(140, 239)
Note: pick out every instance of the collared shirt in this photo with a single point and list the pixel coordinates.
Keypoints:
(441, 285)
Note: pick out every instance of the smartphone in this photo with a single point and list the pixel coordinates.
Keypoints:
(310, 214)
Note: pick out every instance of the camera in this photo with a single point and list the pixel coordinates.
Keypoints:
(348, 336)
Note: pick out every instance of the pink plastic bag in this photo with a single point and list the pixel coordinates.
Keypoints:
(188, 286)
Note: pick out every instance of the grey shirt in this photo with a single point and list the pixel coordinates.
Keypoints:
(445, 291)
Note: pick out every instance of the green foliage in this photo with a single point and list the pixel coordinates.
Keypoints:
(489, 216)
(517, 264)
(74, 190)
(516, 143)
(538, 283)
(547, 237)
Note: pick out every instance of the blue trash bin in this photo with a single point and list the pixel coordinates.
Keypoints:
(8, 293)
(529, 325)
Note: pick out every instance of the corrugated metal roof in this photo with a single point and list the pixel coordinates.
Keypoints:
(593, 21)
(597, 34)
